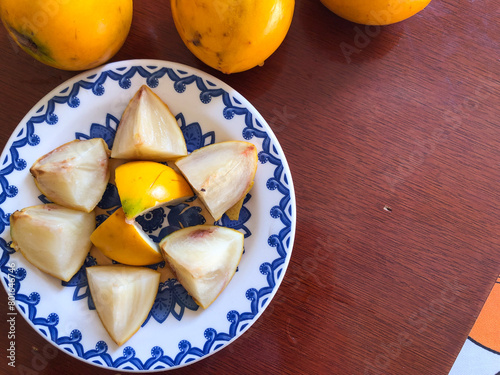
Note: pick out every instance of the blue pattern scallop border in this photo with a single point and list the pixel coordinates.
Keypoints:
(257, 297)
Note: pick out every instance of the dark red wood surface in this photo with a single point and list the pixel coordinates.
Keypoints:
(393, 139)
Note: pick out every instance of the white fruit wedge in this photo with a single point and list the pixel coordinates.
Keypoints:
(221, 174)
(75, 174)
(123, 297)
(148, 130)
(204, 259)
(53, 238)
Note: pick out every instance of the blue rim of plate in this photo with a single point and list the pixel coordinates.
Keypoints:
(180, 76)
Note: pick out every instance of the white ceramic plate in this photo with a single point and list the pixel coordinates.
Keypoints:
(176, 332)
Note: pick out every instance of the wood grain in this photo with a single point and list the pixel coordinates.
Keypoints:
(392, 138)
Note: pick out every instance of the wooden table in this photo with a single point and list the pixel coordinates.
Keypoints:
(393, 141)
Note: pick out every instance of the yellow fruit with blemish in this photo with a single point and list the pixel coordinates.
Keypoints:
(375, 12)
(68, 34)
(232, 35)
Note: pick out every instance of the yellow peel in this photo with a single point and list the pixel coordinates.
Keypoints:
(125, 242)
(145, 185)
(234, 212)
(375, 12)
(69, 35)
(232, 35)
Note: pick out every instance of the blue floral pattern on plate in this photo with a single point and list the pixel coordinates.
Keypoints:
(215, 110)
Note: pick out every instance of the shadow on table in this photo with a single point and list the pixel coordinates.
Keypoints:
(345, 42)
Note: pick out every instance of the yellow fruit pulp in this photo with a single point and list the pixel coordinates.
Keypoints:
(144, 185)
(68, 34)
(375, 12)
(125, 242)
(232, 35)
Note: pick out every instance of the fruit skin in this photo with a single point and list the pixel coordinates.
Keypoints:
(204, 259)
(53, 238)
(233, 213)
(123, 297)
(145, 185)
(375, 12)
(125, 242)
(232, 35)
(68, 34)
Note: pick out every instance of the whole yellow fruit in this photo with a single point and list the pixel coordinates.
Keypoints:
(375, 12)
(232, 35)
(68, 34)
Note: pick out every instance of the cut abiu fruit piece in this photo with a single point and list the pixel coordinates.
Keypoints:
(148, 130)
(74, 175)
(204, 259)
(123, 297)
(125, 242)
(53, 238)
(145, 185)
(221, 173)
